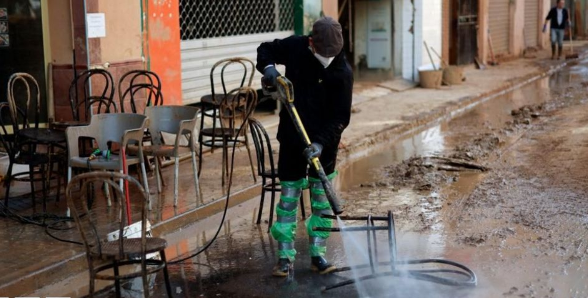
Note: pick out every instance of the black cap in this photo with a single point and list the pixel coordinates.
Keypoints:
(327, 37)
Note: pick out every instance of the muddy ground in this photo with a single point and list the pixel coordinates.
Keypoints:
(500, 188)
(514, 198)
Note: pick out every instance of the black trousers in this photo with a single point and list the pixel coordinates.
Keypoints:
(292, 165)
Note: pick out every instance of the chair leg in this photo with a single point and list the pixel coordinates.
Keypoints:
(196, 182)
(200, 154)
(107, 194)
(176, 180)
(91, 285)
(158, 174)
(224, 163)
(250, 159)
(7, 182)
(144, 277)
(213, 139)
(159, 161)
(273, 202)
(261, 201)
(32, 181)
(68, 212)
(145, 184)
(57, 196)
(116, 280)
(44, 189)
(166, 274)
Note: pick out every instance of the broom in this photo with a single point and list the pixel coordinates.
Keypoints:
(572, 55)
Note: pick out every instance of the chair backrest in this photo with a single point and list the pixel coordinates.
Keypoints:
(24, 93)
(236, 108)
(106, 128)
(234, 66)
(8, 127)
(141, 85)
(94, 223)
(92, 92)
(168, 119)
(263, 147)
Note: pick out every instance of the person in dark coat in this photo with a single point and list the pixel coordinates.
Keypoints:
(559, 18)
(323, 84)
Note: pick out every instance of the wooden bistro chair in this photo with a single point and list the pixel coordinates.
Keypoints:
(143, 89)
(267, 169)
(234, 112)
(103, 233)
(227, 74)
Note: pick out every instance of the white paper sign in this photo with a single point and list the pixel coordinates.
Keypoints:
(96, 25)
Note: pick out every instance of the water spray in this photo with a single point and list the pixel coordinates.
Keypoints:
(392, 267)
(284, 92)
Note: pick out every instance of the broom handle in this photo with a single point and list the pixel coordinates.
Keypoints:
(571, 40)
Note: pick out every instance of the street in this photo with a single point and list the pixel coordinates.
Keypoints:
(521, 225)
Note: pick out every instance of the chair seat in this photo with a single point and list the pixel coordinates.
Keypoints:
(132, 247)
(102, 163)
(31, 159)
(207, 99)
(270, 174)
(160, 150)
(219, 132)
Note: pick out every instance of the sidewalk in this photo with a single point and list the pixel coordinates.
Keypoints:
(381, 116)
(384, 115)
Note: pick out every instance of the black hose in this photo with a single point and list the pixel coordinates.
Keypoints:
(226, 208)
(51, 227)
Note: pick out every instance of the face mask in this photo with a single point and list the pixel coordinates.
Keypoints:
(324, 60)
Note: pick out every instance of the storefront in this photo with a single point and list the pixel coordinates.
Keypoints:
(214, 30)
(22, 46)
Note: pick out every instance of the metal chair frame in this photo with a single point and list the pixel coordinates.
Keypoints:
(211, 110)
(234, 111)
(99, 249)
(17, 155)
(140, 80)
(104, 99)
(263, 149)
(21, 119)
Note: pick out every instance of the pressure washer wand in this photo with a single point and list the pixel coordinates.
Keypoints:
(284, 92)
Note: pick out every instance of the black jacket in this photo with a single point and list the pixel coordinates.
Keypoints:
(322, 95)
(552, 15)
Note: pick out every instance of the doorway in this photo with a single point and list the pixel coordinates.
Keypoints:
(21, 45)
(463, 31)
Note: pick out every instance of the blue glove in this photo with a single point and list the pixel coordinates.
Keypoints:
(270, 74)
(544, 27)
(314, 150)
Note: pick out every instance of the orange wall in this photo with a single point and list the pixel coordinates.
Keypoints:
(162, 48)
(330, 8)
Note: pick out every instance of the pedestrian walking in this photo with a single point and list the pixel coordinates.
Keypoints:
(559, 19)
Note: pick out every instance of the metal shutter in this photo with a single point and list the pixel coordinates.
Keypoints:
(198, 57)
(499, 21)
(531, 22)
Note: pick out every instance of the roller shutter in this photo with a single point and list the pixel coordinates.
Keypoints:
(499, 22)
(531, 22)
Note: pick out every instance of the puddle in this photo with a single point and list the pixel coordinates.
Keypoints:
(245, 254)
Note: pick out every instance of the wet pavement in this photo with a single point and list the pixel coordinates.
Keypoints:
(522, 226)
(482, 220)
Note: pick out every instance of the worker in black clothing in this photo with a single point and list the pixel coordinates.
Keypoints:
(323, 83)
(559, 18)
